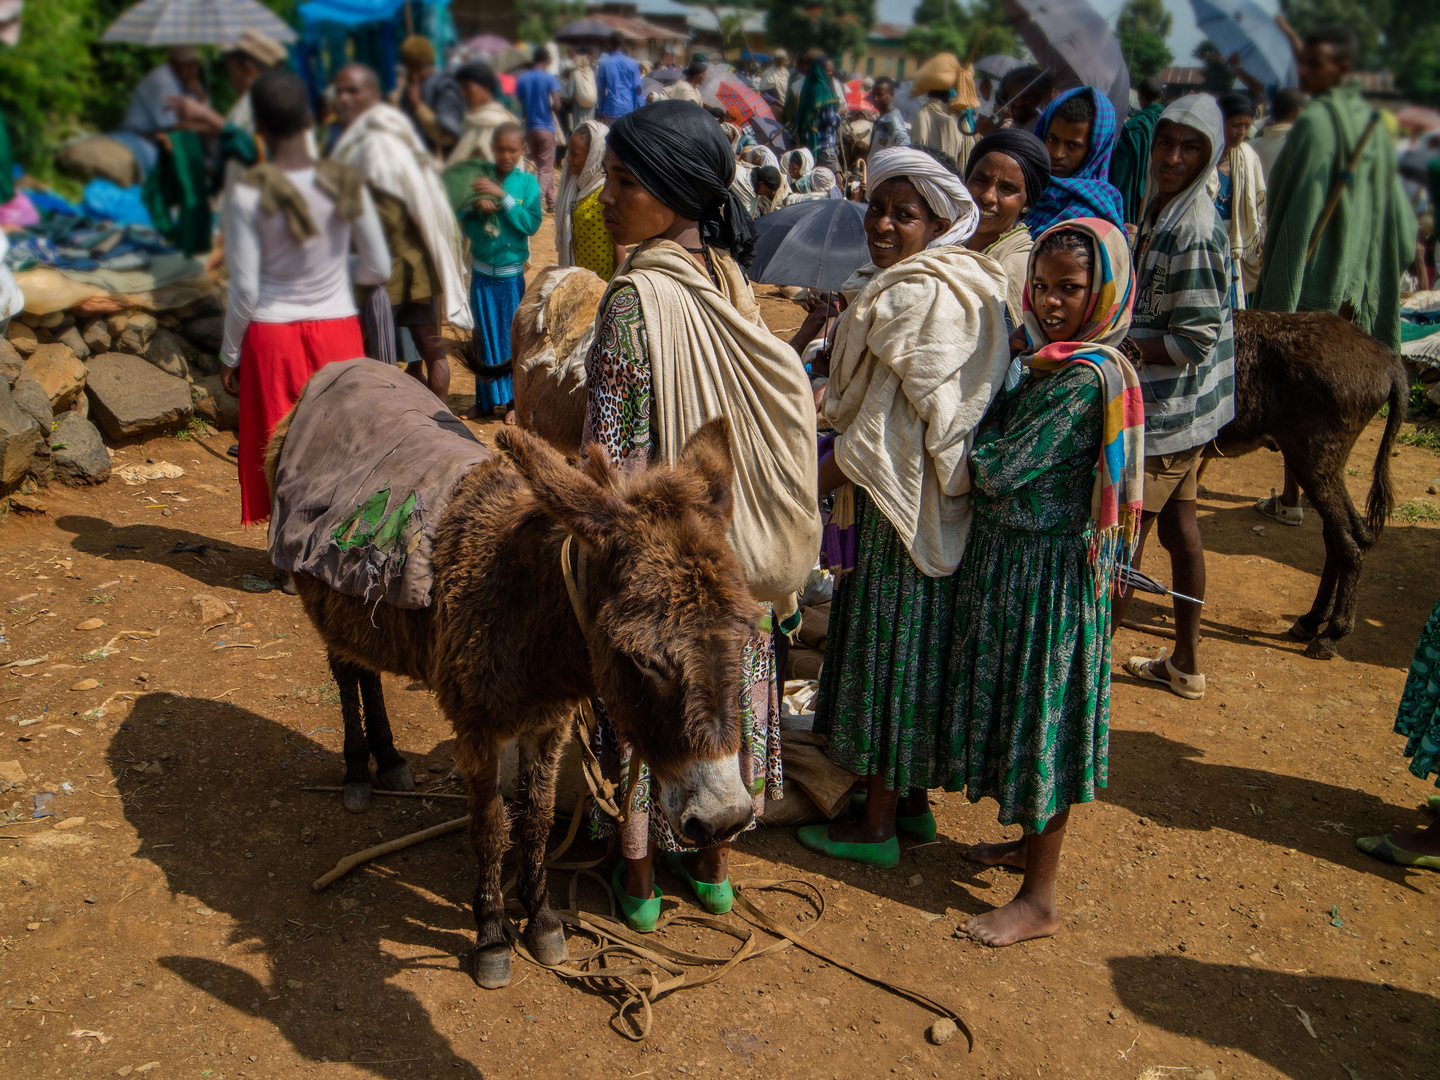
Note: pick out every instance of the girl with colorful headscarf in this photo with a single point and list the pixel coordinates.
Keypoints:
(817, 120)
(1057, 473)
(1078, 128)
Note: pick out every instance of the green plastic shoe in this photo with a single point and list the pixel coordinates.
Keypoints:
(1381, 847)
(716, 899)
(640, 915)
(920, 827)
(885, 855)
(1434, 802)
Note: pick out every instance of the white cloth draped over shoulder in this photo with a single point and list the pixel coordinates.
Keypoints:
(477, 137)
(1247, 217)
(920, 353)
(711, 355)
(382, 144)
(574, 188)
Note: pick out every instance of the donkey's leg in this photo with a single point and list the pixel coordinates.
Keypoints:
(357, 750)
(391, 771)
(535, 790)
(489, 835)
(1346, 540)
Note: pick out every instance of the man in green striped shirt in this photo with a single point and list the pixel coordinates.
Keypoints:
(1183, 346)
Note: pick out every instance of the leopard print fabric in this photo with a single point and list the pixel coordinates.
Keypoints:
(618, 376)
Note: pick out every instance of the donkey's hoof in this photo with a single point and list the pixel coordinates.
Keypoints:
(547, 946)
(357, 796)
(490, 966)
(395, 778)
(1323, 648)
(1300, 630)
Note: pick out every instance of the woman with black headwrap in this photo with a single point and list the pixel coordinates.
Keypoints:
(1006, 174)
(678, 342)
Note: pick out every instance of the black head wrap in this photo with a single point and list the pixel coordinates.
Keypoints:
(1235, 104)
(1025, 149)
(679, 153)
(480, 73)
(768, 175)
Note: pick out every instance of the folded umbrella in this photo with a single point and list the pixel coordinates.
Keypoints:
(1131, 578)
(815, 245)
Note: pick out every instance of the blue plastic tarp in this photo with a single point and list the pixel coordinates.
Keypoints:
(355, 12)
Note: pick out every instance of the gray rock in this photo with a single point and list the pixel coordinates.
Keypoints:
(97, 336)
(215, 405)
(130, 341)
(206, 305)
(73, 338)
(167, 352)
(55, 320)
(130, 397)
(143, 323)
(20, 437)
(81, 406)
(34, 402)
(203, 363)
(208, 332)
(116, 323)
(78, 453)
(10, 362)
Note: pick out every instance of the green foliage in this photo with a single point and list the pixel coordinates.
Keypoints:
(1145, 15)
(1366, 17)
(969, 32)
(832, 26)
(1416, 510)
(539, 19)
(1219, 77)
(1402, 36)
(1145, 53)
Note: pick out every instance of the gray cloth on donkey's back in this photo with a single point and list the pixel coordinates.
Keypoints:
(370, 462)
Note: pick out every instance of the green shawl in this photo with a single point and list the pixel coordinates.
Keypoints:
(1131, 162)
(177, 193)
(7, 164)
(1369, 241)
(815, 94)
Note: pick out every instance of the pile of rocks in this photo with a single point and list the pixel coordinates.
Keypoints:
(65, 380)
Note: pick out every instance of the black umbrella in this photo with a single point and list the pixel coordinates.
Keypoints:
(1134, 579)
(815, 244)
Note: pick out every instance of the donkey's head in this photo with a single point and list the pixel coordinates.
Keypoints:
(667, 615)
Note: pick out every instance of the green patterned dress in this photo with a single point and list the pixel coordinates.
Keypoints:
(883, 683)
(1418, 717)
(618, 417)
(1030, 667)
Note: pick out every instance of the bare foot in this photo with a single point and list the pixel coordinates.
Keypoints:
(1020, 920)
(510, 418)
(1009, 853)
(475, 412)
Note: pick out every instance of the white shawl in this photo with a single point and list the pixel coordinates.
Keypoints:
(920, 353)
(712, 356)
(574, 188)
(478, 135)
(1247, 217)
(382, 144)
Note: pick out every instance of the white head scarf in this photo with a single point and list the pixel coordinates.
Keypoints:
(807, 164)
(574, 188)
(821, 180)
(943, 191)
(760, 156)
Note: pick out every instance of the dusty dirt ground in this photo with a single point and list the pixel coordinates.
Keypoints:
(1218, 921)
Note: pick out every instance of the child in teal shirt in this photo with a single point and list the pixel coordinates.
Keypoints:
(498, 207)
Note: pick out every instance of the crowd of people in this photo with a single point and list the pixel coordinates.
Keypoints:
(998, 408)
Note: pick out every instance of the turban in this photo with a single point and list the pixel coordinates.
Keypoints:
(1023, 148)
(941, 189)
(678, 152)
(822, 179)
(416, 51)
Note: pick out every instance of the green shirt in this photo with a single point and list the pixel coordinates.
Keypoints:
(499, 239)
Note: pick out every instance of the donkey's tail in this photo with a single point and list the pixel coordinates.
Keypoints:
(1382, 492)
(276, 447)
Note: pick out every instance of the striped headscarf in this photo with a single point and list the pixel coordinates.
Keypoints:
(1119, 476)
(1088, 193)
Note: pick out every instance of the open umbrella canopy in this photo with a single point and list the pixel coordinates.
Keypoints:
(195, 22)
(723, 89)
(585, 30)
(815, 245)
(1243, 27)
(1073, 41)
(997, 66)
(488, 44)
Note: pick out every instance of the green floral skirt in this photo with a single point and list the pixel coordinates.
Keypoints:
(883, 682)
(1418, 717)
(1029, 673)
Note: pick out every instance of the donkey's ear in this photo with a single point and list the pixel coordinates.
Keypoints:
(708, 453)
(573, 499)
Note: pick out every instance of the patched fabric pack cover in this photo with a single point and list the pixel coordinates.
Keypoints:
(370, 462)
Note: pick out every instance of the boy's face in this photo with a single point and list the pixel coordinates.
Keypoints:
(1179, 155)
(1069, 144)
(883, 96)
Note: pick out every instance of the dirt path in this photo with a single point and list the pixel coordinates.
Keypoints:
(1216, 912)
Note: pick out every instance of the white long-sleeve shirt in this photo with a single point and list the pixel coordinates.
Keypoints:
(275, 279)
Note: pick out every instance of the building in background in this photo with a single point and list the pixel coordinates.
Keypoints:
(884, 55)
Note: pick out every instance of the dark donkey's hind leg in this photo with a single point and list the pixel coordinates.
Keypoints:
(357, 748)
(479, 759)
(539, 762)
(391, 771)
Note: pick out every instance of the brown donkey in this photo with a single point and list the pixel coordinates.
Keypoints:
(666, 613)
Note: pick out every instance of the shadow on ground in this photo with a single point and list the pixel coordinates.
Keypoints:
(222, 565)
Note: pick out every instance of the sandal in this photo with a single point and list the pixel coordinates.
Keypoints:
(1189, 687)
(885, 855)
(640, 915)
(1380, 847)
(920, 827)
(1272, 507)
(716, 899)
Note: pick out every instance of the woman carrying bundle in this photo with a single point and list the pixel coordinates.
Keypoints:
(920, 352)
(1057, 472)
(679, 341)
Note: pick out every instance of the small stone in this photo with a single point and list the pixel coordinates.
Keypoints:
(204, 911)
(86, 684)
(53, 320)
(75, 341)
(90, 624)
(917, 879)
(1432, 490)
(147, 1066)
(32, 926)
(1258, 530)
(130, 342)
(1206, 1074)
(167, 351)
(824, 1003)
(92, 899)
(116, 323)
(22, 338)
(27, 504)
(97, 336)
(10, 362)
(70, 823)
(339, 1006)
(211, 608)
(294, 984)
(125, 1070)
(143, 323)
(1114, 1014)
(274, 804)
(942, 1031)
(153, 769)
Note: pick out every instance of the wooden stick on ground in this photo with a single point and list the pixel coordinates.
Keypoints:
(349, 862)
(402, 794)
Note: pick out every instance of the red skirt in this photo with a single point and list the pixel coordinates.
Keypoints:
(276, 361)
